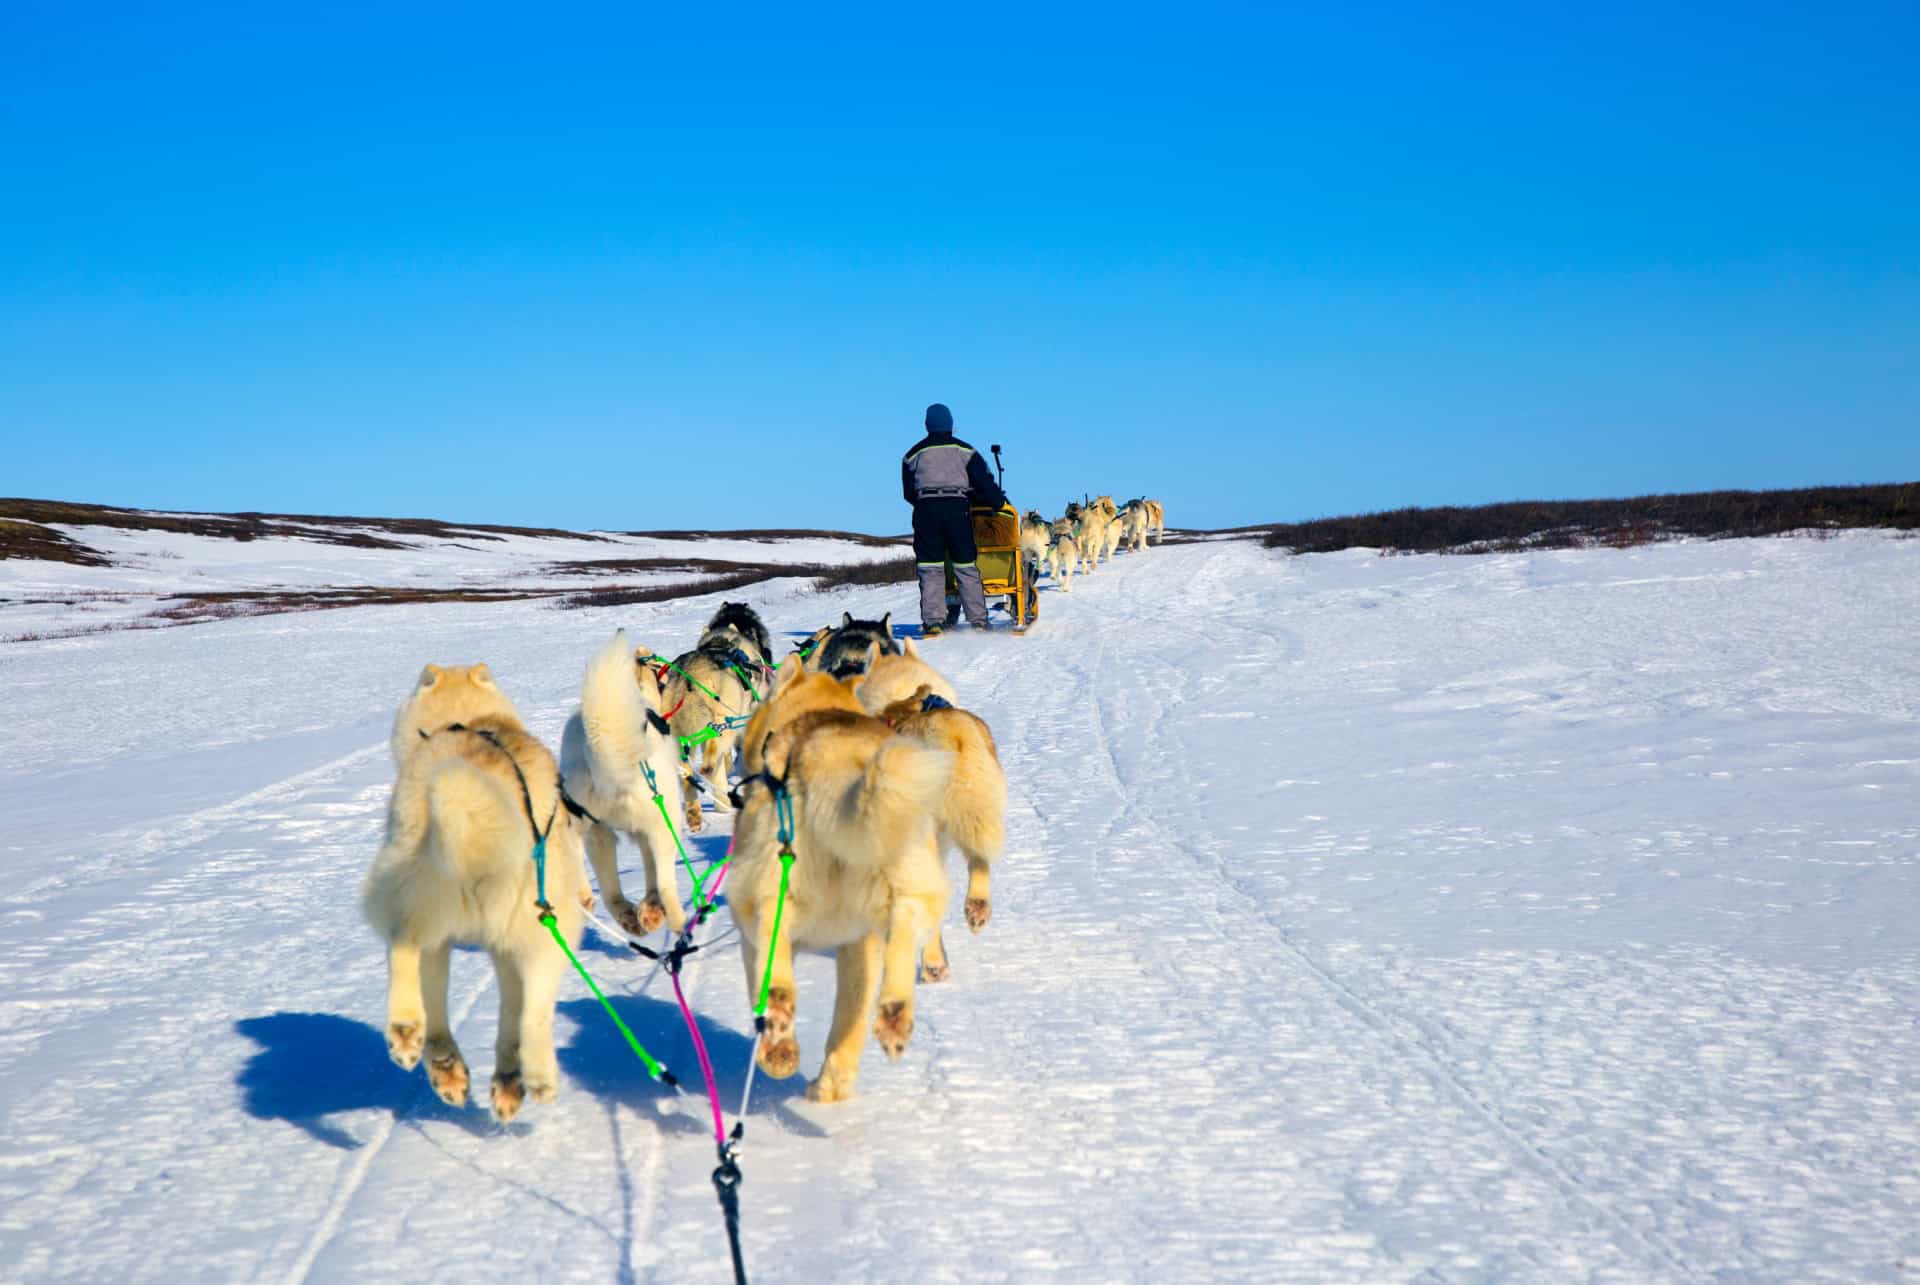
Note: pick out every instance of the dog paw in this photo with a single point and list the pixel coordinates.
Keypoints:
(627, 915)
(653, 913)
(509, 1095)
(933, 967)
(586, 900)
(448, 1075)
(405, 1042)
(828, 1087)
(979, 910)
(695, 821)
(780, 1058)
(779, 1011)
(893, 1027)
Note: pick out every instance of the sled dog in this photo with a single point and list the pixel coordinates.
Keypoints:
(891, 678)
(811, 651)
(846, 647)
(617, 730)
(1157, 515)
(741, 624)
(473, 793)
(796, 690)
(1133, 524)
(706, 692)
(1095, 533)
(866, 881)
(1063, 558)
(972, 811)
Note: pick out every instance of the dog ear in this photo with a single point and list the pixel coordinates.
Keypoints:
(790, 668)
(846, 618)
(921, 692)
(908, 650)
(873, 654)
(481, 675)
(430, 676)
(886, 624)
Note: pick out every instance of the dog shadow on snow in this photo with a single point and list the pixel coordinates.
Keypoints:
(597, 1061)
(314, 1065)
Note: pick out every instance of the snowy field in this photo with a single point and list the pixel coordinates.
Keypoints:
(1540, 917)
(152, 571)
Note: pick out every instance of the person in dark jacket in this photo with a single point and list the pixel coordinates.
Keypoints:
(940, 477)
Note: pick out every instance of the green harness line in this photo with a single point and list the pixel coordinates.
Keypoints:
(783, 805)
(654, 1068)
(675, 667)
(653, 783)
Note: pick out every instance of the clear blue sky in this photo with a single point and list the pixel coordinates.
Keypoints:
(693, 265)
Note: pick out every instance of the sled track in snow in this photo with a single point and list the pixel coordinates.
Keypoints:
(1404, 1035)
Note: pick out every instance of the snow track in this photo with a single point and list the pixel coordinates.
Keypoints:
(1538, 917)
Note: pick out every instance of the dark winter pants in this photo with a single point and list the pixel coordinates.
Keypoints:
(943, 533)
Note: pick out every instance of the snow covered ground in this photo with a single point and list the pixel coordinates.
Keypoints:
(1538, 917)
(153, 570)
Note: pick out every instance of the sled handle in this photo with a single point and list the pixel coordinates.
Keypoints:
(997, 466)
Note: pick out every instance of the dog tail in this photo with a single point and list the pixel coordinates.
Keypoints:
(891, 802)
(616, 698)
(973, 810)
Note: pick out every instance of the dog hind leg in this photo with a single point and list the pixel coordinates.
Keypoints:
(508, 1090)
(908, 923)
(406, 1010)
(933, 961)
(602, 852)
(446, 1069)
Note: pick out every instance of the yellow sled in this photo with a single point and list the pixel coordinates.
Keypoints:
(1003, 571)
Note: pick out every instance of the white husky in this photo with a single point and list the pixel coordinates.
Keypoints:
(1098, 533)
(1134, 523)
(474, 793)
(606, 751)
(1063, 558)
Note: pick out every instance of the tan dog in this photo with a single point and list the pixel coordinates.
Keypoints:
(796, 690)
(866, 879)
(972, 812)
(810, 652)
(473, 792)
(1157, 516)
(617, 729)
(1063, 558)
(1095, 532)
(892, 678)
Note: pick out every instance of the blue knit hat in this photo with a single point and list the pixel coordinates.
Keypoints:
(939, 419)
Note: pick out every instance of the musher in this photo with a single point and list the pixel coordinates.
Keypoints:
(941, 476)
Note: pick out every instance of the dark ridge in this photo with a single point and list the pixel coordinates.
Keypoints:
(1578, 524)
(890, 571)
(360, 533)
(824, 575)
(764, 534)
(20, 539)
(636, 566)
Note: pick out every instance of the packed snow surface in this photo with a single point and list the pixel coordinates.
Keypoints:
(1541, 917)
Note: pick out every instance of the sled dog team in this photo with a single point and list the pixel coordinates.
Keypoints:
(1079, 540)
(882, 768)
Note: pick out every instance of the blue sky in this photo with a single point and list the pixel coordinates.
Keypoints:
(664, 266)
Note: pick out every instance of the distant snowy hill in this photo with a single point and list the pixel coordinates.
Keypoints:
(82, 568)
(1537, 916)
